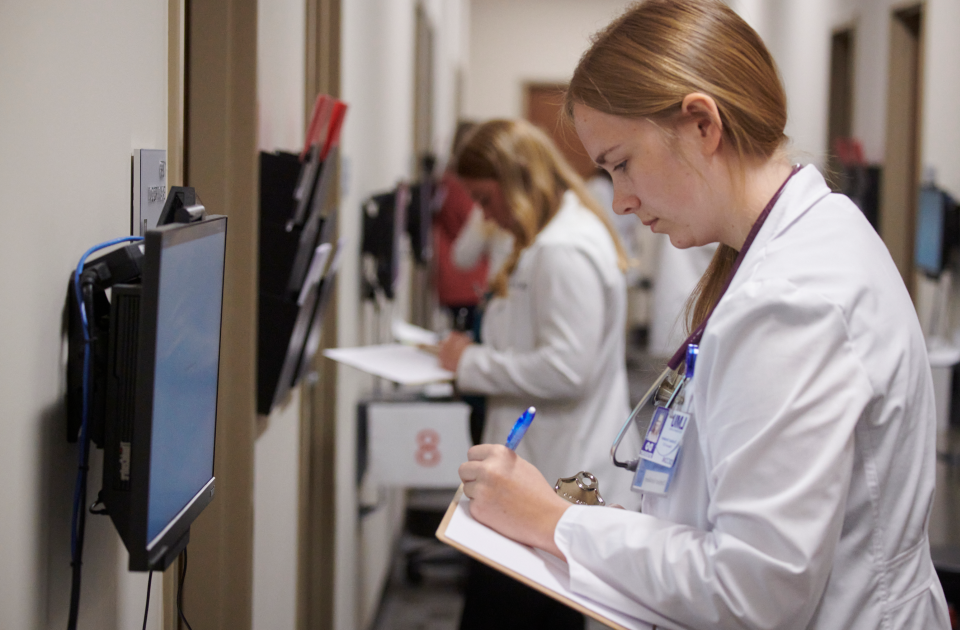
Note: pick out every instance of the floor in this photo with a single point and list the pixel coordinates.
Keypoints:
(435, 599)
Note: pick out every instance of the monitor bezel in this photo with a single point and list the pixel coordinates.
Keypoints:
(152, 554)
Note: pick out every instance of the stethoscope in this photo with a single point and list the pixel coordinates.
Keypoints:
(665, 388)
(662, 393)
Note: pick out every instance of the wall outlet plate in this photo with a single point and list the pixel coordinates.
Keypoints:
(148, 191)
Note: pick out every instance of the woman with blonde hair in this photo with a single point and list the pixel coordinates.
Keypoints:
(552, 335)
(804, 480)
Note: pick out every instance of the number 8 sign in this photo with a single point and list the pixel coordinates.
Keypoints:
(417, 444)
(427, 452)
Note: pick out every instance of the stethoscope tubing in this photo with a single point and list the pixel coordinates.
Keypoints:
(631, 465)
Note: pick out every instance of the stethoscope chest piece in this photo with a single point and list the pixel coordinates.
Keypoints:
(581, 489)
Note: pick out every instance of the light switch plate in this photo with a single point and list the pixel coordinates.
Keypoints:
(149, 189)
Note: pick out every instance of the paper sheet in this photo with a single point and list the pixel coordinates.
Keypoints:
(532, 565)
(411, 335)
(402, 364)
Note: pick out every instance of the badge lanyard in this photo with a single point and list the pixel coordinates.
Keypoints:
(661, 445)
(663, 386)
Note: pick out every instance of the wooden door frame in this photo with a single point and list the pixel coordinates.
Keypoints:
(316, 524)
(844, 127)
(902, 161)
(176, 74)
(220, 161)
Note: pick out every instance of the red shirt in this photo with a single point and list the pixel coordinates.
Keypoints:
(455, 287)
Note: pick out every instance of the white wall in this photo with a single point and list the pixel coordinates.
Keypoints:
(450, 19)
(275, 516)
(281, 33)
(281, 38)
(512, 43)
(83, 85)
(377, 47)
(940, 137)
(377, 70)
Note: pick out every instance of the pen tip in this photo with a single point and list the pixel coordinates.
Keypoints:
(531, 410)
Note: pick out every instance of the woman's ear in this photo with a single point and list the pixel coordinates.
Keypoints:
(701, 118)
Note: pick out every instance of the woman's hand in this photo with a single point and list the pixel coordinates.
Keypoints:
(451, 349)
(508, 494)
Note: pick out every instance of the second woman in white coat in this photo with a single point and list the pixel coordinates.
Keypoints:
(552, 337)
(553, 334)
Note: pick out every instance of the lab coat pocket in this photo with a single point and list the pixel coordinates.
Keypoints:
(921, 611)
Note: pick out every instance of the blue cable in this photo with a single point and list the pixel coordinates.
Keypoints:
(82, 440)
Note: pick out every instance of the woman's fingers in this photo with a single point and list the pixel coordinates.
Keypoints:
(490, 460)
(451, 349)
(481, 452)
(469, 471)
(509, 495)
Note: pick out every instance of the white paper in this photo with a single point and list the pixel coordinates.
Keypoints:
(418, 445)
(317, 264)
(395, 362)
(533, 564)
(404, 332)
(942, 353)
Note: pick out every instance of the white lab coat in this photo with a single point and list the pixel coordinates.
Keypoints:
(480, 236)
(806, 480)
(556, 341)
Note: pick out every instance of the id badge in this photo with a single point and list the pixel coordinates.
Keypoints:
(660, 451)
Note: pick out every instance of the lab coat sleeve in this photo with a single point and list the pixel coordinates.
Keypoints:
(568, 311)
(471, 243)
(779, 391)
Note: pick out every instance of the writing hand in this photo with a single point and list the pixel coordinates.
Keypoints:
(451, 349)
(508, 494)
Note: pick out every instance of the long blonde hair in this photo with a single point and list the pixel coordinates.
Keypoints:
(533, 176)
(646, 61)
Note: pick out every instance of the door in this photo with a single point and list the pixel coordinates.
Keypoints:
(544, 102)
(901, 162)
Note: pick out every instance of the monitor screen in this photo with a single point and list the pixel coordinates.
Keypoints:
(186, 367)
(928, 249)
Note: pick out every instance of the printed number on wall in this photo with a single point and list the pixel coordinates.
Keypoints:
(427, 452)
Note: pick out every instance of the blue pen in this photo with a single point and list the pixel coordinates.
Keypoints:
(520, 428)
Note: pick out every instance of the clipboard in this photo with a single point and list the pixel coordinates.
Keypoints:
(537, 569)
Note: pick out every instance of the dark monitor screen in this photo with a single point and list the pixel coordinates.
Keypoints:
(928, 249)
(185, 373)
(161, 411)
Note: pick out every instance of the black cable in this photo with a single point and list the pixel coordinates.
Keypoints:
(183, 576)
(146, 608)
(76, 561)
(83, 284)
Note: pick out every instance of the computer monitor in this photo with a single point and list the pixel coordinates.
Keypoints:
(937, 230)
(161, 411)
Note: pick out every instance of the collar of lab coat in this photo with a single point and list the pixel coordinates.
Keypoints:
(567, 225)
(801, 193)
(569, 203)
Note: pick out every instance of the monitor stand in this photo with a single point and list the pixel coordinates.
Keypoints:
(165, 555)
